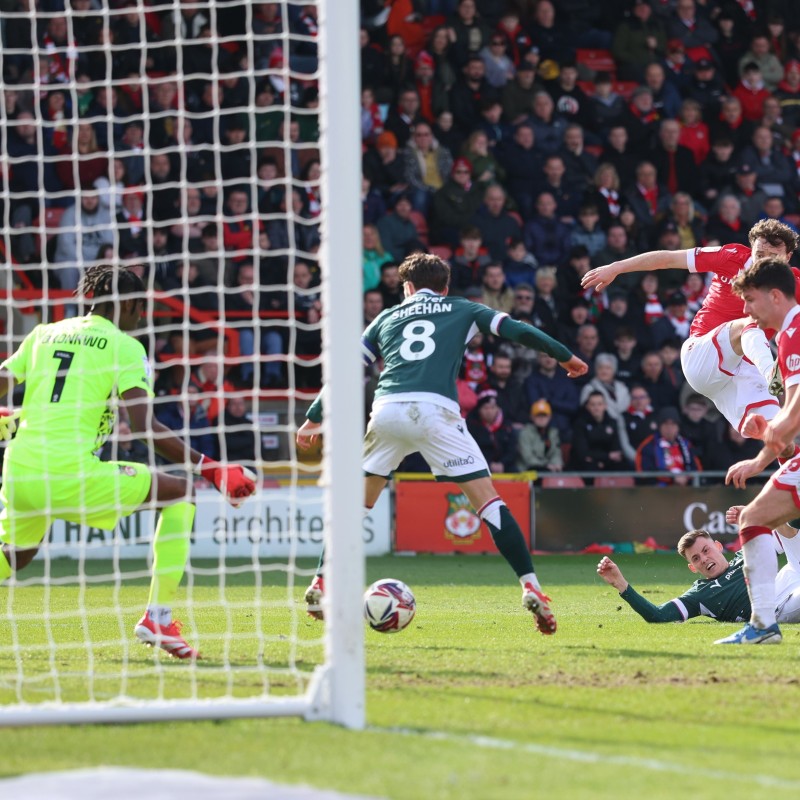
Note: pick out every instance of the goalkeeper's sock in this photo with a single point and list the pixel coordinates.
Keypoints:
(760, 570)
(170, 552)
(756, 347)
(321, 562)
(507, 536)
(5, 567)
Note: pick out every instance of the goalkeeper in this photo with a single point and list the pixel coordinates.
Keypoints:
(721, 591)
(74, 372)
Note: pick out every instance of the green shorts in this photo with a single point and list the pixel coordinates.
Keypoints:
(105, 492)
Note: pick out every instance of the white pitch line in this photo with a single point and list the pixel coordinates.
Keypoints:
(592, 757)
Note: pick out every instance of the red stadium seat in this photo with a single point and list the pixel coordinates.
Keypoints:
(597, 60)
(421, 224)
(563, 482)
(614, 481)
(441, 250)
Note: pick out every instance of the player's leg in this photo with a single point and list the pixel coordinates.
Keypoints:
(776, 503)
(787, 584)
(747, 339)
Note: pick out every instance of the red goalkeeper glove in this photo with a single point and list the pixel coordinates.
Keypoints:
(232, 480)
(8, 422)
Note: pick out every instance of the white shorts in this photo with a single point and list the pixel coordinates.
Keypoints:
(787, 478)
(396, 430)
(731, 382)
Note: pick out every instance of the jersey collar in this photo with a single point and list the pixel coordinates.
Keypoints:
(787, 320)
(420, 291)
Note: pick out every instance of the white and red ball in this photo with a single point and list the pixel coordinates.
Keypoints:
(389, 605)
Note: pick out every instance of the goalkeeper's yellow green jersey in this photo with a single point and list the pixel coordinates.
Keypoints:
(73, 372)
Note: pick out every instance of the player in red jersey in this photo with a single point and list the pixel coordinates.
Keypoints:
(768, 290)
(726, 357)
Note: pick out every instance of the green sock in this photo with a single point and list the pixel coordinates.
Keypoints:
(321, 562)
(170, 551)
(5, 567)
(510, 542)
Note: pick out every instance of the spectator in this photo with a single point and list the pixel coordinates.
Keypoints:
(618, 152)
(372, 305)
(731, 124)
(373, 206)
(207, 378)
(774, 209)
(667, 451)
(642, 119)
(566, 194)
(666, 98)
(662, 393)
(498, 65)
(587, 347)
(439, 46)
(548, 126)
(498, 228)
(432, 96)
(162, 194)
(649, 199)
(639, 40)
(124, 446)
(523, 164)
(750, 196)
(617, 248)
(519, 43)
(469, 260)
(83, 166)
(524, 302)
(131, 225)
(596, 444)
(767, 64)
(751, 92)
(374, 256)
(240, 435)
(390, 287)
(471, 91)
(495, 293)
(371, 121)
(402, 118)
(768, 162)
(705, 88)
(717, 172)
(649, 298)
(702, 434)
(571, 102)
(639, 420)
(615, 393)
(618, 316)
(539, 443)
(547, 381)
(292, 230)
(731, 450)
(384, 168)
(693, 30)
(494, 436)
(519, 265)
(455, 203)
(546, 236)
(687, 221)
(674, 323)
(517, 98)
(497, 132)
(772, 118)
(92, 223)
(581, 165)
(469, 34)
(188, 417)
(570, 274)
(475, 366)
(238, 230)
(510, 398)
(674, 163)
(485, 167)
(788, 93)
(427, 165)
(550, 37)
(695, 290)
(693, 131)
(588, 232)
(398, 232)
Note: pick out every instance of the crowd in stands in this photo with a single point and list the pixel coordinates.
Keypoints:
(525, 141)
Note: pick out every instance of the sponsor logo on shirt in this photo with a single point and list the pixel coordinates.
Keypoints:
(793, 362)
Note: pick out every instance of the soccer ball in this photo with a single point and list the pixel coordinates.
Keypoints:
(389, 606)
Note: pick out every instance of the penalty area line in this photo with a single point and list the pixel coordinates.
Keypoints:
(593, 757)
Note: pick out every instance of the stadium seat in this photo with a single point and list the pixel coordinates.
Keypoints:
(563, 482)
(597, 60)
(441, 250)
(52, 220)
(421, 224)
(614, 481)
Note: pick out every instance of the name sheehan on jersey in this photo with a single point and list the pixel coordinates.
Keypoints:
(432, 306)
(100, 342)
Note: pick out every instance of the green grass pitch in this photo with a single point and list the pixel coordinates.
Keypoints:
(468, 702)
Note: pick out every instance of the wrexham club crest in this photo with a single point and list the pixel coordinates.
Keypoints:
(461, 524)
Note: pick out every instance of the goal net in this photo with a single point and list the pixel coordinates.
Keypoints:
(213, 148)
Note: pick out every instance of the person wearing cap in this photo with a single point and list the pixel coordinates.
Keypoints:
(432, 93)
(454, 204)
(539, 442)
(427, 165)
(788, 93)
(706, 87)
(639, 40)
(385, 168)
(668, 451)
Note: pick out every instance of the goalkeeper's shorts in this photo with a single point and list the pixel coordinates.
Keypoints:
(103, 493)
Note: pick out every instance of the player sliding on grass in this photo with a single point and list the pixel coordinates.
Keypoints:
(74, 371)
(726, 357)
(721, 590)
(422, 343)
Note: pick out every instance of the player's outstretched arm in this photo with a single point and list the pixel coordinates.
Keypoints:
(231, 480)
(308, 434)
(599, 278)
(612, 574)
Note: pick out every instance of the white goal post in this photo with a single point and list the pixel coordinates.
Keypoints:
(113, 679)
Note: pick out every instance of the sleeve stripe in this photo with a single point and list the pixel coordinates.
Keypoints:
(691, 264)
(367, 352)
(681, 607)
(792, 380)
(496, 321)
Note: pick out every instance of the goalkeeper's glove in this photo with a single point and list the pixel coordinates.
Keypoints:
(8, 422)
(234, 481)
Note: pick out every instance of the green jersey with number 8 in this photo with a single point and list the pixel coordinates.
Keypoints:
(422, 343)
(73, 371)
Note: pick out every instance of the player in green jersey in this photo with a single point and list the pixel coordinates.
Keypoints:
(422, 343)
(74, 372)
(721, 591)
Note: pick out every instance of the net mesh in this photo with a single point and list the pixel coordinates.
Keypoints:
(180, 139)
